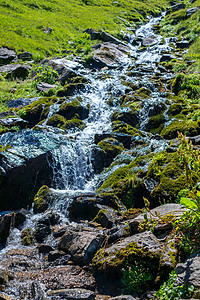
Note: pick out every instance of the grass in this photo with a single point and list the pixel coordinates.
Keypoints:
(23, 22)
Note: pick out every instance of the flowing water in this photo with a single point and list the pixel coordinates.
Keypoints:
(72, 168)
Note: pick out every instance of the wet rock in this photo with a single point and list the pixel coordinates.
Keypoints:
(168, 212)
(98, 159)
(25, 56)
(7, 56)
(61, 260)
(10, 122)
(81, 245)
(149, 41)
(45, 87)
(127, 115)
(72, 294)
(189, 271)
(25, 166)
(15, 71)
(53, 255)
(42, 199)
(108, 55)
(20, 102)
(43, 248)
(5, 223)
(191, 11)
(74, 85)
(118, 232)
(176, 7)
(125, 139)
(167, 57)
(183, 44)
(69, 110)
(19, 217)
(41, 232)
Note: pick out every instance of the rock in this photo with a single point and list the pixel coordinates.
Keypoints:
(53, 255)
(5, 223)
(118, 232)
(95, 35)
(149, 41)
(171, 210)
(7, 56)
(167, 57)
(4, 276)
(15, 71)
(25, 166)
(41, 232)
(42, 200)
(107, 217)
(183, 44)
(125, 139)
(72, 294)
(104, 36)
(20, 102)
(43, 248)
(10, 122)
(123, 297)
(127, 115)
(108, 55)
(189, 271)
(74, 86)
(98, 159)
(81, 245)
(176, 7)
(25, 56)
(69, 110)
(45, 87)
(191, 11)
(19, 217)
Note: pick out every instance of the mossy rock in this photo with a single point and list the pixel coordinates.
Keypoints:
(111, 147)
(143, 93)
(75, 85)
(73, 123)
(127, 115)
(42, 199)
(56, 121)
(130, 84)
(156, 123)
(27, 237)
(72, 109)
(175, 17)
(122, 127)
(175, 109)
(177, 82)
(187, 127)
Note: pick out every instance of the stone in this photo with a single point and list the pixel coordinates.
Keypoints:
(107, 217)
(123, 297)
(189, 271)
(43, 248)
(7, 56)
(25, 56)
(4, 276)
(42, 200)
(175, 7)
(45, 87)
(25, 166)
(53, 255)
(5, 223)
(71, 109)
(72, 294)
(83, 208)
(19, 217)
(20, 102)
(15, 71)
(118, 232)
(149, 41)
(82, 245)
(14, 121)
(125, 139)
(127, 115)
(183, 44)
(167, 57)
(41, 232)
(175, 211)
(108, 55)
(191, 11)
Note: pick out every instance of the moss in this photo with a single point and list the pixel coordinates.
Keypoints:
(111, 147)
(72, 109)
(122, 127)
(27, 237)
(177, 82)
(156, 123)
(56, 121)
(175, 109)
(187, 127)
(143, 93)
(73, 123)
(130, 84)
(176, 17)
(42, 199)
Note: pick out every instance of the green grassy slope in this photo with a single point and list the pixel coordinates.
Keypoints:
(23, 22)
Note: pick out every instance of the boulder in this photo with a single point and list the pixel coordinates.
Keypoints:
(25, 166)
(125, 139)
(20, 102)
(14, 121)
(43, 248)
(69, 110)
(15, 71)
(189, 272)
(53, 255)
(5, 223)
(42, 200)
(107, 217)
(183, 44)
(127, 115)
(45, 87)
(25, 56)
(191, 11)
(108, 55)
(7, 56)
(149, 41)
(166, 214)
(41, 232)
(167, 57)
(82, 245)
(175, 7)
(118, 232)
(123, 297)
(72, 294)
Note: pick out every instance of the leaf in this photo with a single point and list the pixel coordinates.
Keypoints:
(191, 204)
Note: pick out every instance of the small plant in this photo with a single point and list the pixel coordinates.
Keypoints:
(45, 74)
(170, 291)
(135, 278)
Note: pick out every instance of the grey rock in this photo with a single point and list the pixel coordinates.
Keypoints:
(175, 7)
(45, 87)
(25, 56)
(43, 248)
(107, 217)
(127, 115)
(73, 294)
(41, 232)
(82, 245)
(191, 11)
(21, 102)
(125, 139)
(189, 271)
(7, 56)
(167, 57)
(15, 71)
(123, 297)
(14, 121)
(158, 213)
(149, 41)
(53, 255)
